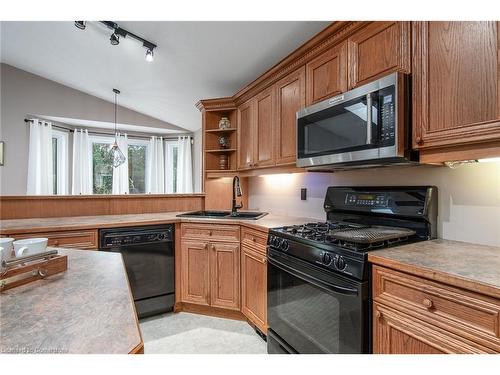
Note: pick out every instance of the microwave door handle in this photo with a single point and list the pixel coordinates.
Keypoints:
(369, 119)
(313, 280)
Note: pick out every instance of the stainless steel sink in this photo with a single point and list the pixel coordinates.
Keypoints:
(244, 215)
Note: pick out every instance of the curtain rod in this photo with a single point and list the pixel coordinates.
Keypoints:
(110, 134)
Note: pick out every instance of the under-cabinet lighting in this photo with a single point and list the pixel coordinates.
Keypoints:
(489, 160)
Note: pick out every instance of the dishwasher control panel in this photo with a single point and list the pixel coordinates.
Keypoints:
(117, 237)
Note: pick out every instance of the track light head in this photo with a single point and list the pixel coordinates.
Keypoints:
(81, 24)
(149, 55)
(114, 39)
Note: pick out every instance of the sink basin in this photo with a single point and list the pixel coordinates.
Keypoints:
(244, 215)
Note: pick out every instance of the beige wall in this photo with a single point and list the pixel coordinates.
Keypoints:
(469, 196)
(23, 94)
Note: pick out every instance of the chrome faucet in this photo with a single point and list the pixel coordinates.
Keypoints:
(236, 193)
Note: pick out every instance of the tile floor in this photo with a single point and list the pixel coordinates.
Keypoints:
(185, 333)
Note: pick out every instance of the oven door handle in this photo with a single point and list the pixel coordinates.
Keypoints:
(313, 280)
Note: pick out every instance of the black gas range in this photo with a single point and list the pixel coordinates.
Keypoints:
(318, 272)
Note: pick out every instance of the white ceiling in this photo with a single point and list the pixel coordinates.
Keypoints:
(194, 60)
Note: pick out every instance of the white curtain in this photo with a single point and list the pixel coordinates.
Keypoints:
(120, 173)
(40, 160)
(81, 180)
(155, 167)
(184, 166)
(170, 177)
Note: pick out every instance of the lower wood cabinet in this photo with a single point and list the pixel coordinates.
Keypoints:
(79, 239)
(254, 287)
(414, 315)
(210, 270)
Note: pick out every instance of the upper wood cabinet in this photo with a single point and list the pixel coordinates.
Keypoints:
(245, 134)
(195, 276)
(263, 135)
(456, 83)
(290, 97)
(326, 75)
(377, 50)
(225, 274)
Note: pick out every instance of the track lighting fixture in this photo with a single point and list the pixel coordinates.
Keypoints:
(81, 24)
(120, 32)
(114, 39)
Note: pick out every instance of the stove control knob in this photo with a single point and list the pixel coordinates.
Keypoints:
(327, 259)
(272, 240)
(284, 245)
(339, 263)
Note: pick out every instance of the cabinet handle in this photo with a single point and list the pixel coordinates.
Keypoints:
(428, 303)
(419, 141)
(210, 233)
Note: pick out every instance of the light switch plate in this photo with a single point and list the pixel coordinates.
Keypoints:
(303, 194)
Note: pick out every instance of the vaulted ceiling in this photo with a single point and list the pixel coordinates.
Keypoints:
(194, 60)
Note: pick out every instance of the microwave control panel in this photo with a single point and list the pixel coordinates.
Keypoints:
(387, 116)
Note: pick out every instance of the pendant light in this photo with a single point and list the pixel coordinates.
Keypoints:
(116, 155)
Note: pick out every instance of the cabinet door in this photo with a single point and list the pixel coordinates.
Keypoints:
(195, 272)
(264, 135)
(290, 97)
(245, 135)
(254, 287)
(377, 50)
(225, 275)
(456, 85)
(397, 333)
(326, 75)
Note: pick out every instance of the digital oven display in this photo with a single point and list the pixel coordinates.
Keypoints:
(366, 200)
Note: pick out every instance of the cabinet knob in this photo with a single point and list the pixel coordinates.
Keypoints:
(419, 141)
(206, 246)
(378, 315)
(210, 233)
(56, 243)
(428, 303)
(213, 247)
(253, 239)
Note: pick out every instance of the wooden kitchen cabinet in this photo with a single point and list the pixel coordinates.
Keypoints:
(246, 132)
(254, 287)
(225, 275)
(210, 265)
(377, 50)
(263, 134)
(78, 239)
(326, 75)
(414, 315)
(290, 98)
(195, 272)
(456, 88)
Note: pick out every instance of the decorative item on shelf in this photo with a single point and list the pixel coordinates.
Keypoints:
(224, 141)
(223, 162)
(224, 123)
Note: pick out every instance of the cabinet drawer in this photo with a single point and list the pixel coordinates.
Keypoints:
(80, 239)
(212, 232)
(470, 315)
(255, 239)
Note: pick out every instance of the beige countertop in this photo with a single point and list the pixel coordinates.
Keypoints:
(466, 265)
(86, 309)
(49, 224)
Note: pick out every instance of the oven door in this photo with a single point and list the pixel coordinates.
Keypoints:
(312, 310)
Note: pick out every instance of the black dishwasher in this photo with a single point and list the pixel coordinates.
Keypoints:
(148, 254)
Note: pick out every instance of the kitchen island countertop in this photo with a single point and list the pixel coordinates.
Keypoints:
(86, 309)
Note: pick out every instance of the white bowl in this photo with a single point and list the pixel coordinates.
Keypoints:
(30, 246)
(6, 244)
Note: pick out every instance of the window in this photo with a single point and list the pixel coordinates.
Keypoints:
(171, 151)
(137, 150)
(103, 170)
(59, 161)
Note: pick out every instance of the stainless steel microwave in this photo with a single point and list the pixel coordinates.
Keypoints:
(366, 126)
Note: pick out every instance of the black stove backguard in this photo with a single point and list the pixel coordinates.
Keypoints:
(412, 207)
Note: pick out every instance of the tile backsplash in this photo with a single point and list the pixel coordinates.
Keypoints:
(469, 196)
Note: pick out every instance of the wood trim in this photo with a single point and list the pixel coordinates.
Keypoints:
(139, 349)
(217, 104)
(23, 207)
(210, 311)
(178, 264)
